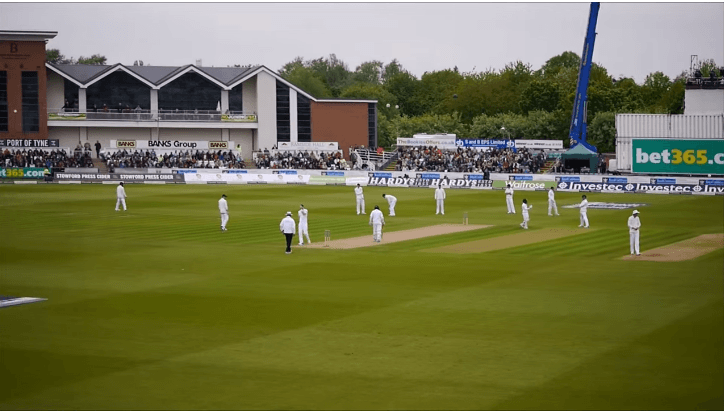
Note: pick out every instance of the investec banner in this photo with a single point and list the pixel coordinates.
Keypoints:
(428, 180)
(29, 142)
(656, 185)
(441, 143)
(125, 178)
(171, 144)
(23, 172)
(677, 156)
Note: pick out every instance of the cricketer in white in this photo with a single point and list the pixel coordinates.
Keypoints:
(584, 209)
(303, 227)
(120, 196)
(377, 221)
(509, 199)
(440, 200)
(526, 218)
(552, 202)
(634, 226)
(391, 202)
(224, 212)
(360, 199)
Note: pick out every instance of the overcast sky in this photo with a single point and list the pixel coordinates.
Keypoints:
(634, 39)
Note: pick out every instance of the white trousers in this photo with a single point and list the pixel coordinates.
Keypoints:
(360, 204)
(634, 241)
(121, 201)
(392, 208)
(440, 206)
(224, 220)
(526, 219)
(552, 206)
(584, 219)
(377, 232)
(303, 231)
(509, 202)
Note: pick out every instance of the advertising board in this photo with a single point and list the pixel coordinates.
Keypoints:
(121, 177)
(441, 143)
(29, 142)
(172, 144)
(23, 172)
(428, 180)
(678, 156)
(491, 143)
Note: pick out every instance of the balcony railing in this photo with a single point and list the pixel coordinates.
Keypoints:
(139, 115)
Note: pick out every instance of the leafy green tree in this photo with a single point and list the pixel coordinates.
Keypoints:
(655, 86)
(602, 132)
(95, 59)
(436, 90)
(404, 86)
(307, 80)
(540, 94)
(369, 72)
(565, 60)
(707, 66)
(392, 69)
(433, 124)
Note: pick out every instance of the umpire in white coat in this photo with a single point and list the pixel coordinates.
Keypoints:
(634, 229)
(377, 221)
(120, 196)
(440, 200)
(288, 228)
(224, 212)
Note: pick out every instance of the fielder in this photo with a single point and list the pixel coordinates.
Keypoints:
(634, 226)
(360, 199)
(440, 200)
(377, 221)
(303, 227)
(525, 210)
(224, 211)
(584, 209)
(287, 227)
(120, 196)
(509, 199)
(391, 202)
(552, 202)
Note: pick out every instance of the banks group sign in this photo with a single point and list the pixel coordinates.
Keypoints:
(678, 156)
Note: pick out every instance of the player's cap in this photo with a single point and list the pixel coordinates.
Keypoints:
(301, 206)
(377, 207)
(635, 212)
(289, 213)
(223, 195)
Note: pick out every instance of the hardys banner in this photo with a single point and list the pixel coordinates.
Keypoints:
(429, 180)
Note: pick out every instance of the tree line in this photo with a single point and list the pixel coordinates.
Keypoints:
(528, 103)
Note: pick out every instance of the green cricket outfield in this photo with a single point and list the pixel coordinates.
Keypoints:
(156, 309)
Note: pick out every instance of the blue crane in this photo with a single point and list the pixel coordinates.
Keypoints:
(577, 132)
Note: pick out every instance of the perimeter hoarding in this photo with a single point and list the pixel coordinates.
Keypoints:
(678, 156)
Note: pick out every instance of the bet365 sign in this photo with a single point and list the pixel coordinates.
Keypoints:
(682, 156)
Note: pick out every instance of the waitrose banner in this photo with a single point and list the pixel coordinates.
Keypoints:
(678, 156)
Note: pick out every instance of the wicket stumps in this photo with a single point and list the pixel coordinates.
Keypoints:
(465, 218)
(327, 238)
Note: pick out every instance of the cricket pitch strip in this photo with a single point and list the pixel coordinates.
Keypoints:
(506, 241)
(393, 237)
(685, 250)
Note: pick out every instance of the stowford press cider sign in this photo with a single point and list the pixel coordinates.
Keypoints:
(681, 156)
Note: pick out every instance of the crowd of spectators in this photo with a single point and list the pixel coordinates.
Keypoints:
(180, 159)
(300, 160)
(468, 160)
(44, 158)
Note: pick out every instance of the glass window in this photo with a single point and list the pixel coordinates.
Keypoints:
(3, 101)
(31, 112)
(283, 126)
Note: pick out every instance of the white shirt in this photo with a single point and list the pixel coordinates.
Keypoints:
(287, 225)
(390, 199)
(358, 191)
(584, 206)
(376, 217)
(525, 208)
(439, 193)
(120, 192)
(509, 192)
(551, 195)
(223, 206)
(303, 216)
(633, 224)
